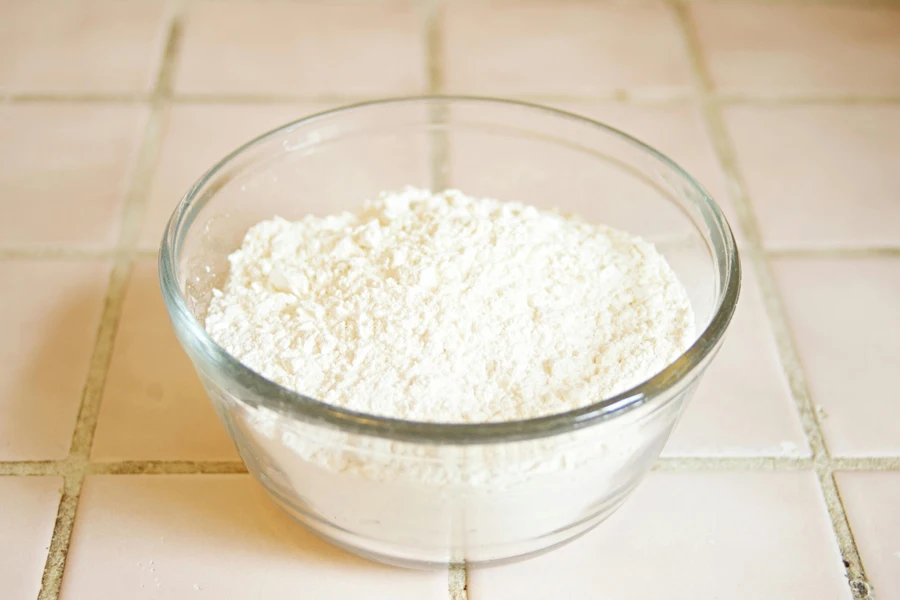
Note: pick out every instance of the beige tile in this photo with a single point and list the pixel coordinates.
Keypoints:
(821, 175)
(215, 536)
(64, 171)
(692, 535)
(871, 501)
(743, 406)
(677, 131)
(195, 137)
(49, 321)
(308, 48)
(571, 48)
(52, 46)
(844, 318)
(154, 407)
(766, 47)
(27, 515)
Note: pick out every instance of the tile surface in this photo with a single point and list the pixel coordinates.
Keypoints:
(49, 326)
(305, 48)
(763, 47)
(217, 536)
(742, 535)
(820, 166)
(89, 46)
(743, 406)
(27, 514)
(821, 175)
(844, 318)
(533, 47)
(65, 170)
(195, 137)
(154, 407)
(871, 501)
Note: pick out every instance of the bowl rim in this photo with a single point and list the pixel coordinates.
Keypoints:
(273, 396)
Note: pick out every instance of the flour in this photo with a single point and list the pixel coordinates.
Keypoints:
(445, 308)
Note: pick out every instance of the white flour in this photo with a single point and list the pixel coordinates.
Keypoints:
(445, 308)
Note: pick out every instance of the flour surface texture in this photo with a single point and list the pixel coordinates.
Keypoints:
(446, 308)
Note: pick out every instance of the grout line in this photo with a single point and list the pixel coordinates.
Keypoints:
(434, 46)
(834, 252)
(51, 580)
(71, 253)
(636, 97)
(761, 463)
(58, 253)
(458, 582)
(626, 97)
(856, 574)
(161, 467)
(240, 98)
(764, 99)
(666, 463)
(880, 463)
(434, 51)
(87, 98)
(31, 468)
(76, 465)
(86, 423)
(73, 467)
(753, 250)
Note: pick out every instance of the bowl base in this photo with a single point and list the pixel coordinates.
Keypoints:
(399, 557)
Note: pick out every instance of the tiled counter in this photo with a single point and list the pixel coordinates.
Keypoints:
(783, 478)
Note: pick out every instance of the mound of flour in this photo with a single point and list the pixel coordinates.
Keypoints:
(446, 308)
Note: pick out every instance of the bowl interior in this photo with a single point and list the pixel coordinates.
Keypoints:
(506, 150)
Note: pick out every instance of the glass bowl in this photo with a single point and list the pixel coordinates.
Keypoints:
(426, 494)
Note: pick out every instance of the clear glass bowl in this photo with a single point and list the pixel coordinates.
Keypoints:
(419, 494)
